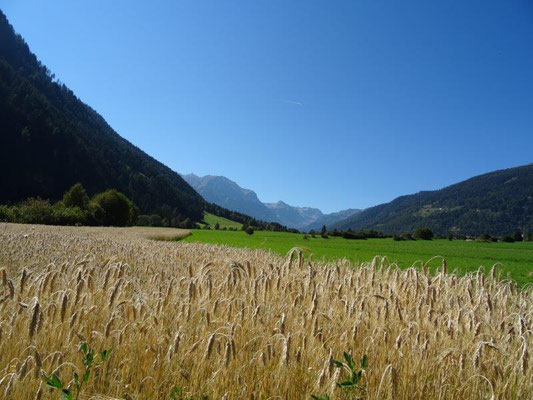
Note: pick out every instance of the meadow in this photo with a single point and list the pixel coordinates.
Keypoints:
(178, 320)
(211, 220)
(516, 259)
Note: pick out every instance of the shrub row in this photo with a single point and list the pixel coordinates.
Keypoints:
(109, 208)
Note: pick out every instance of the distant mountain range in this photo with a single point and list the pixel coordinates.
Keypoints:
(497, 203)
(226, 193)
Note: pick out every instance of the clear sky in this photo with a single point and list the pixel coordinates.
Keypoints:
(332, 104)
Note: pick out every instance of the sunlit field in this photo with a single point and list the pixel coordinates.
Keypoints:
(188, 320)
(515, 259)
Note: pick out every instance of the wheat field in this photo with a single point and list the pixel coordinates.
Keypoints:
(225, 323)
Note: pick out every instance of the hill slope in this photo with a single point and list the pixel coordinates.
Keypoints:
(226, 193)
(50, 140)
(497, 203)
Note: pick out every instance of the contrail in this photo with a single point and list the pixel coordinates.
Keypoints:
(297, 103)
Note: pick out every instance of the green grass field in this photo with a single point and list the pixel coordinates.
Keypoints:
(211, 220)
(516, 258)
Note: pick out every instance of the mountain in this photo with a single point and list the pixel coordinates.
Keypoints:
(50, 140)
(329, 220)
(497, 203)
(226, 193)
(297, 217)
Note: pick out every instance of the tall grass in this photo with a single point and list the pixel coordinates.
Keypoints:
(230, 323)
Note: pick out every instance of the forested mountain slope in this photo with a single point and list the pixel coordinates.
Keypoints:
(50, 140)
(497, 203)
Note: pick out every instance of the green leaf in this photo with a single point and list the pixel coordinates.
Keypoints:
(356, 376)
(176, 391)
(338, 364)
(84, 347)
(86, 375)
(345, 384)
(364, 362)
(89, 358)
(104, 355)
(349, 360)
(67, 394)
(76, 379)
(54, 382)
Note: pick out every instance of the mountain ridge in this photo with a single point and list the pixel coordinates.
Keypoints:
(227, 193)
(498, 203)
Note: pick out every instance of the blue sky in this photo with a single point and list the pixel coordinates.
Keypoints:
(332, 104)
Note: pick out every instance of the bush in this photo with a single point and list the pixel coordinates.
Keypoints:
(188, 224)
(113, 208)
(508, 239)
(156, 220)
(485, 237)
(249, 230)
(96, 214)
(407, 236)
(108, 208)
(149, 220)
(6, 214)
(76, 196)
(518, 236)
(423, 234)
(68, 215)
(354, 235)
(35, 211)
(143, 220)
(397, 238)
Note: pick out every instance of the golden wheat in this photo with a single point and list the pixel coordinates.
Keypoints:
(235, 323)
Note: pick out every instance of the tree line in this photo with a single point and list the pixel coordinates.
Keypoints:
(108, 208)
(421, 233)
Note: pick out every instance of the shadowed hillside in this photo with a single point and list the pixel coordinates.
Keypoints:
(50, 140)
(497, 203)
